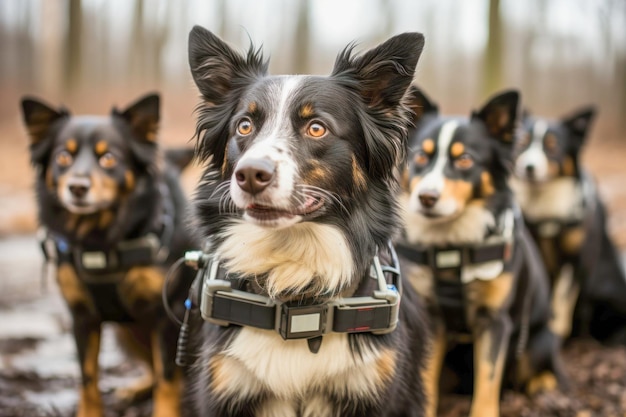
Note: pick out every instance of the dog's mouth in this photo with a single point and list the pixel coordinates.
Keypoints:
(266, 212)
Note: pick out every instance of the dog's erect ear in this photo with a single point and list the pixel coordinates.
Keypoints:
(385, 72)
(143, 117)
(420, 104)
(217, 69)
(39, 118)
(501, 115)
(579, 123)
(179, 157)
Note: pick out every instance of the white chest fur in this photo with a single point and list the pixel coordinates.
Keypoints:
(556, 199)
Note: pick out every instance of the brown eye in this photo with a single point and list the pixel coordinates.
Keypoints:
(316, 130)
(244, 128)
(64, 159)
(420, 158)
(464, 162)
(550, 144)
(107, 160)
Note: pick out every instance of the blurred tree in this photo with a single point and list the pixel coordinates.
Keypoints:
(302, 41)
(492, 71)
(73, 52)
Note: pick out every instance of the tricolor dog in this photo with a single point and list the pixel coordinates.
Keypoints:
(112, 209)
(304, 310)
(567, 219)
(467, 252)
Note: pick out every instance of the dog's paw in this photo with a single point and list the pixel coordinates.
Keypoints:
(544, 382)
(141, 389)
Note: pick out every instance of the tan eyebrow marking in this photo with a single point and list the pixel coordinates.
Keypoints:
(428, 146)
(306, 111)
(101, 147)
(457, 149)
(71, 145)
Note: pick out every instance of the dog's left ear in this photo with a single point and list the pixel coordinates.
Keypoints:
(501, 115)
(179, 158)
(385, 72)
(420, 104)
(143, 117)
(579, 123)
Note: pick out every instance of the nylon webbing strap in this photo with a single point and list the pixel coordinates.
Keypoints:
(243, 313)
(453, 257)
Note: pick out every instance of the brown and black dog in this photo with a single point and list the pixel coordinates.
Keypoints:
(466, 250)
(112, 210)
(567, 218)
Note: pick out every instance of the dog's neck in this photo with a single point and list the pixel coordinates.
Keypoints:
(555, 199)
(307, 258)
(469, 227)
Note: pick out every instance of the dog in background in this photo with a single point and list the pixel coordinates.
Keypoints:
(298, 203)
(112, 209)
(567, 219)
(466, 251)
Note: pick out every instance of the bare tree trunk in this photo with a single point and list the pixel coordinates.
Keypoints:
(73, 52)
(493, 55)
(302, 42)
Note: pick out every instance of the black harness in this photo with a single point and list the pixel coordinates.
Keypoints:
(101, 269)
(225, 300)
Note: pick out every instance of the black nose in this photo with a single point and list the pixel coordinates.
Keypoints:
(429, 198)
(254, 175)
(530, 170)
(79, 186)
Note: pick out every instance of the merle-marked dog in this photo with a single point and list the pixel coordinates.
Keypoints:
(112, 210)
(298, 203)
(567, 218)
(466, 250)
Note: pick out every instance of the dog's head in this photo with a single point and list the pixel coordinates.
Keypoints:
(457, 162)
(87, 163)
(283, 150)
(550, 149)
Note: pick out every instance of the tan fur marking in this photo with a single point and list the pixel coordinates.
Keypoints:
(49, 179)
(428, 146)
(306, 111)
(414, 183)
(544, 382)
(141, 283)
(405, 179)
(167, 393)
(252, 107)
(86, 226)
(386, 366)
(432, 371)
(457, 149)
(486, 184)
(151, 136)
(568, 166)
(565, 293)
(101, 147)
(459, 190)
(357, 175)
(106, 218)
(71, 145)
(129, 180)
(550, 142)
(553, 169)
(90, 402)
(72, 288)
(572, 240)
(219, 376)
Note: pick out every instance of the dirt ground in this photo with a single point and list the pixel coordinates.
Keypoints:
(39, 373)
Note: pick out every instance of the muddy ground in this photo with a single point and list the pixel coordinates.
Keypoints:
(39, 373)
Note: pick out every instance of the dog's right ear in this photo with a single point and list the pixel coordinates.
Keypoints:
(217, 69)
(420, 104)
(38, 118)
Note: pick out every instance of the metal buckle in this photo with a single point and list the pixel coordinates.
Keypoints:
(302, 322)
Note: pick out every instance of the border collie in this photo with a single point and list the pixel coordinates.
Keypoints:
(567, 218)
(298, 203)
(467, 252)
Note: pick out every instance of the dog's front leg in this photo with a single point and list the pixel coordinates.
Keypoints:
(491, 326)
(86, 328)
(167, 376)
(432, 371)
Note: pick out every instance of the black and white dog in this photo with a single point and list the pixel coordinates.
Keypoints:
(298, 203)
(468, 253)
(567, 219)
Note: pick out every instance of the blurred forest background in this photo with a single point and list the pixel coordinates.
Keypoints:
(92, 54)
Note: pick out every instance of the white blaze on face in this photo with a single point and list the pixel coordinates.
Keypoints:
(534, 157)
(434, 180)
(272, 143)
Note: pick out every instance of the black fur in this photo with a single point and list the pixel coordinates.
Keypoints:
(349, 172)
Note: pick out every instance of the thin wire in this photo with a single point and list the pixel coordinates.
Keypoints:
(170, 313)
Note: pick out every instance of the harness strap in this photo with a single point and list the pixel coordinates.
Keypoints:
(454, 257)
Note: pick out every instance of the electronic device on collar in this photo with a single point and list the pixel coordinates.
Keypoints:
(224, 305)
